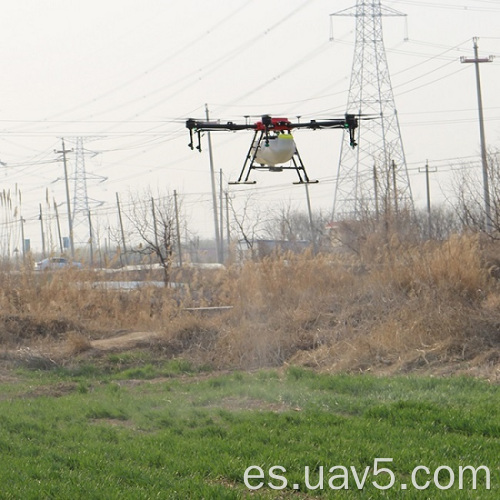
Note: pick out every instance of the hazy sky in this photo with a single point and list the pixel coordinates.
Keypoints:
(126, 74)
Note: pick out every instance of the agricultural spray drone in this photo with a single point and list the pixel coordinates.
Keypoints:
(272, 143)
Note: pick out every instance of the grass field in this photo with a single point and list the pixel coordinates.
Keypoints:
(168, 430)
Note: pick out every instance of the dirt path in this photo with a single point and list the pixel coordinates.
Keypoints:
(54, 352)
(125, 341)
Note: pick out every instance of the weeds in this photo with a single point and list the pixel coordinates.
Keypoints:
(400, 306)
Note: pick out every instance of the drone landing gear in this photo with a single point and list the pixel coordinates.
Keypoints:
(249, 165)
(298, 166)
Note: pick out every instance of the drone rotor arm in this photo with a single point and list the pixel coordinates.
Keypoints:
(204, 126)
(348, 122)
(316, 125)
(199, 126)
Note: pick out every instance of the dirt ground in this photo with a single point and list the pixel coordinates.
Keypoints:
(76, 348)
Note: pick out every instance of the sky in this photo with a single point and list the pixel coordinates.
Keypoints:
(125, 75)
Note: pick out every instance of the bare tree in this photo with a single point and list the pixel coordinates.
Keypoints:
(246, 220)
(292, 225)
(288, 224)
(153, 223)
(470, 205)
(439, 225)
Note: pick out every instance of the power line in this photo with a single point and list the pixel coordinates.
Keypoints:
(437, 5)
(153, 68)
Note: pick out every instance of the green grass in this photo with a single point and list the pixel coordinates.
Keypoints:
(130, 435)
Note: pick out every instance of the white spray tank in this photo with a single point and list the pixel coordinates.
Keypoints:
(275, 149)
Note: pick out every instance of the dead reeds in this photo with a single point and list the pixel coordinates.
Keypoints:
(401, 307)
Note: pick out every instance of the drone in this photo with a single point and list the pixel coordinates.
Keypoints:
(272, 144)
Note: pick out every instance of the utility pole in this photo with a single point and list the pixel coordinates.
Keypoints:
(68, 199)
(221, 212)
(121, 228)
(428, 191)
(214, 191)
(311, 223)
(476, 60)
(58, 227)
(428, 188)
(228, 229)
(22, 238)
(43, 232)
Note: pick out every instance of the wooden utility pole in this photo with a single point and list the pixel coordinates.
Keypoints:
(58, 227)
(476, 60)
(22, 238)
(121, 228)
(43, 232)
(428, 191)
(214, 192)
(228, 229)
(311, 223)
(68, 198)
(221, 213)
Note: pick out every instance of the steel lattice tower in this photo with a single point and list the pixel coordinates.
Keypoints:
(80, 196)
(81, 201)
(374, 175)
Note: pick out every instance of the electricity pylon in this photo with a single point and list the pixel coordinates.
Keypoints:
(81, 201)
(374, 175)
(80, 195)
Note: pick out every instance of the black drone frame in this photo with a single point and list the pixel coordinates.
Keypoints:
(262, 130)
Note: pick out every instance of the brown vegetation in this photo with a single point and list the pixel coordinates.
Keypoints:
(394, 307)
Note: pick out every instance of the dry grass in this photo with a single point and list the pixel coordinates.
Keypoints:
(401, 307)
(77, 343)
